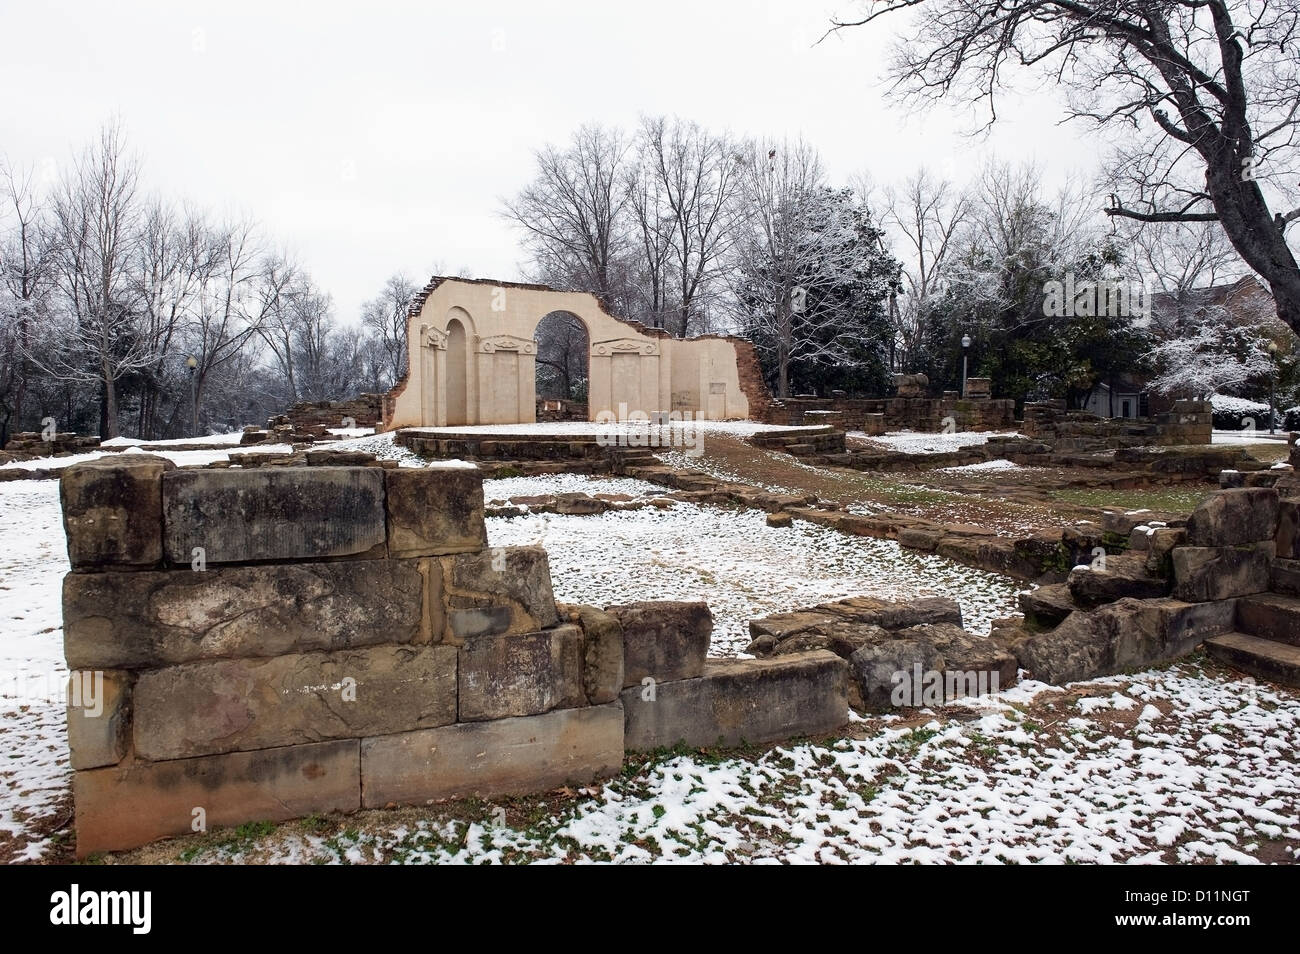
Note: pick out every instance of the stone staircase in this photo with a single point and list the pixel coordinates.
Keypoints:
(1266, 642)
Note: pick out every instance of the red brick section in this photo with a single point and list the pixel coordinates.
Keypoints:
(752, 384)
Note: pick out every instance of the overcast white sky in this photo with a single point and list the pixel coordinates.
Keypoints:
(381, 137)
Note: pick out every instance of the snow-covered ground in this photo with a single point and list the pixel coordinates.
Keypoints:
(729, 558)
(1170, 765)
(1249, 436)
(917, 442)
(1000, 463)
(579, 428)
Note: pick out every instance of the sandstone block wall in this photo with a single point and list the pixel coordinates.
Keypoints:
(1189, 422)
(265, 643)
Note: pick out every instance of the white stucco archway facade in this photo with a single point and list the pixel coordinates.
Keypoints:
(472, 360)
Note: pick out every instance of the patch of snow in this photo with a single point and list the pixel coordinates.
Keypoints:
(985, 465)
(915, 442)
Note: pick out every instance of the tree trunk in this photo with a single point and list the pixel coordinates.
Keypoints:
(1245, 218)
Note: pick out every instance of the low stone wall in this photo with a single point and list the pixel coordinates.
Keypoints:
(1189, 422)
(265, 643)
(912, 413)
(554, 409)
(364, 410)
(29, 445)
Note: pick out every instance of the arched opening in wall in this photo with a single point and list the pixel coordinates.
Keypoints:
(562, 366)
(457, 361)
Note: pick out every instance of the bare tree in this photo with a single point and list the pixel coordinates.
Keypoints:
(97, 213)
(1210, 88)
(27, 276)
(385, 317)
(807, 264)
(699, 173)
(654, 232)
(926, 213)
(572, 212)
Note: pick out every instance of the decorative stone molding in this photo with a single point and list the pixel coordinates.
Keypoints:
(433, 338)
(507, 343)
(624, 346)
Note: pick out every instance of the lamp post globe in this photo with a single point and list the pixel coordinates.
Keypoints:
(965, 348)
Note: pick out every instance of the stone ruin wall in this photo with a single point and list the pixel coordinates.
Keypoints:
(1188, 422)
(364, 410)
(264, 644)
(909, 410)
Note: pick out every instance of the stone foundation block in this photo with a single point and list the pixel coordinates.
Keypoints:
(740, 700)
(227, 705)
(273, 513)
(126, 806)
(146, 619)
(503, 757)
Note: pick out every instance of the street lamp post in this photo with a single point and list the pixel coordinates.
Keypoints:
(965, 351)
(1272, 384)
(191, 363)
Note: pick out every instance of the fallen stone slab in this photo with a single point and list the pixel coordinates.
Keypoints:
(133, 620)
(125, 806)
(293, 513)
(1048, 605)
(503, 757)
(905, 668)
(1122, 575)
(1122, 636)
(227, 705)
(740, 700)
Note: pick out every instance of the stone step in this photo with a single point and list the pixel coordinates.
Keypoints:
(1273, 616)
(1276, 662)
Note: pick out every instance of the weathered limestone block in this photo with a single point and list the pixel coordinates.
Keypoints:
(226, 705)
(1047, 605)
(928, 664)
(1219, 573)
(920, 538)
(602, 654)
(1288, 529)
(1124, 575)
(277, 513)
(1121, 636)
(663, 641)
(126, 806)
(1229, 518)
(112, 510)
(99, 717)
(502, 757)
(434, 510)
(521, 674)
(497, 591)
(740, 700)
(145, 619)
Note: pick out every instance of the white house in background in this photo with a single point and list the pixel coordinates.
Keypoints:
(1127, 401)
